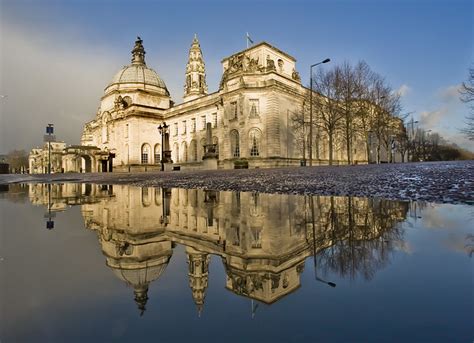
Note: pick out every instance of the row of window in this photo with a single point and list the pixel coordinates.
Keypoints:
(180, 153)
(146, 154)
(192, 125)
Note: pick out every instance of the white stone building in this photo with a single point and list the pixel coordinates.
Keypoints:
(250, 113)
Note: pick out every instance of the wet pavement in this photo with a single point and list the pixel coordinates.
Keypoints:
(441, 182)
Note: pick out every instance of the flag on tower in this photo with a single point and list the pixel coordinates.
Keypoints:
(249, 40)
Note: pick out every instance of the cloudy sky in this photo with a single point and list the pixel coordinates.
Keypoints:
(58, 56)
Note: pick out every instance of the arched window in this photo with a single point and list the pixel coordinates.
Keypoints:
(157, 154)
(215, 141)
(254, 205)
(145, 156)
(235, 143)
(184, 152)
(176, 152)
(255, 137)
(158, 196)
(146, 197)
(193, 150)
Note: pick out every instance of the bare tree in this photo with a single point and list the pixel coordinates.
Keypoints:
(349, 93)
(363, 79)
(328, 109)
(379, 95)
(467, 96)
(403, 144)
(298, 125)
(18, 161)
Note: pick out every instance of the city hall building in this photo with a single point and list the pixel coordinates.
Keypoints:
(250, 118)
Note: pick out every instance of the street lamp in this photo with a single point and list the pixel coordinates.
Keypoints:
(49, 137)
(411, 137)
(163, 129)
(331, 284)
(311, 108)
(49, 215)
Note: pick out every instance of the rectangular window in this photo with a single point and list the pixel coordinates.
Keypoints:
(193, 125)
(184, 127)
(254, 108)
(144, 158)
(214, 120)
(237, 150)
(175, 129)
(203, 122)
(157, 158)
(233, 110)
(256, 238)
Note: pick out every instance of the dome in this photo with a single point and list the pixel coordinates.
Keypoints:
(137, 75)
(141, 276)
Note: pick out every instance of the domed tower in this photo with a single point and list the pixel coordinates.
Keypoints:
(198, 264)
(137, 263)
(135, 99)
(195, 86)
(137, 81)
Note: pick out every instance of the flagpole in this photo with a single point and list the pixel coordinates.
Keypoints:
(247, 40)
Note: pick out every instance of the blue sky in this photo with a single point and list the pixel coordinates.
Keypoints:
(57, 56)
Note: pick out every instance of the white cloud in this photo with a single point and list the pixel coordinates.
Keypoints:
(450, 94)
(431, 119)
(403, 90)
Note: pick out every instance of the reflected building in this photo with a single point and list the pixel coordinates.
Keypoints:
(263, 240)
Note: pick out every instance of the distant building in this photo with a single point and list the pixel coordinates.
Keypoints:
(4, 166)
(250, 115)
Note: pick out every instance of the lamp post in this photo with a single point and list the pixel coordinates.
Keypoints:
(49, 215)
(311, 108)
(411, 138)
(329, 283)
(163, 129)
(378, 124)
(48, 138)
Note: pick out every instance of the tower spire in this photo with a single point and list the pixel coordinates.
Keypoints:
(195, 73)
(141, 297)
(138, 52)
(198, 264)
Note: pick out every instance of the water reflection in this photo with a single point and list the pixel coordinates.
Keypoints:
(262, 239)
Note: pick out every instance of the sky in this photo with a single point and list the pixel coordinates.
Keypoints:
(58, 56)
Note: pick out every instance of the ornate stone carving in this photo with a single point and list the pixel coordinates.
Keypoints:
(122, 103)
(240, 63)
(295, 75)
(270, 64)
(253, 66)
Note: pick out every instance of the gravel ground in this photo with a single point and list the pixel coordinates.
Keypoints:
(447, 182)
